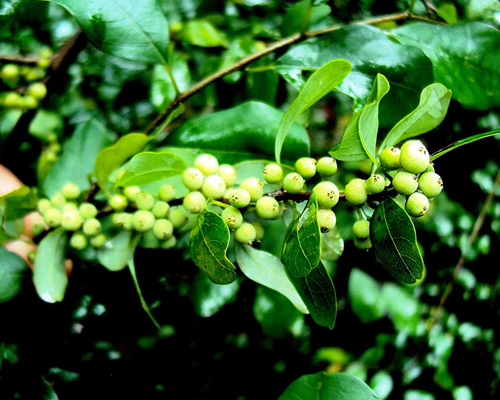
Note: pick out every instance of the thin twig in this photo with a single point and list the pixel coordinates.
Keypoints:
(17, 59)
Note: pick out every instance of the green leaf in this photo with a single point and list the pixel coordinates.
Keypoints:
(382, 384)
(203, 33)
(209, 240)
(463, 142)
(323, 386)
(49, 275)
(127, 29)
(465, 59)
(12, 273)
(432, 109)
(297, 18)
(78, 157)
(395, 241)
(323, 81)
(114, 254)
(266, 269)
(17, 204)
(162, 90)
(208, 298)
(302, 245)
(150, 167)
(247, 131)
(365, 296)
(45, 123)
(318, 293)
(360, 137)
(114, 156)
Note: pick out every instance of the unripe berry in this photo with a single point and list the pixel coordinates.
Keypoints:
(166, 192)
(245, 233)
(163, 229)
(161, 209)
(327, 194)
(38, 90)
(239, 198)
(32, 256)
(430, 168)
(254, 187)
(178, 217)
(43, 205)
(361, 229)
(194, 202)
(207, 164)
(71, 191)
(259, 230)
(430, 184)
(232, 217)
(144, 201)
(405, 183)
(12, 100)
(70, 205)
(326, 220)
(169, 243)
(228, 174)
(123, 220)
(193, 179)
(58, 200)
(326, 166)
(268, 208)
(53, 217)
(390, 158)
(417, 205)
(355, 192)
(365, 244)
(88, 210)
(272, 173)
(375, 184)
(92, 227)
(29, 102)
(143, 221)
(306, 167)
(213, 187)
(293, 183)
(37, 229)
(414, 156)
(71, 220)
(98, 241)
(78, 241)
(43, 62)
(131, 192)
(118, 202)
(10, 72)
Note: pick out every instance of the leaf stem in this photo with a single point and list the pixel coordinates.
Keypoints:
(174, 83)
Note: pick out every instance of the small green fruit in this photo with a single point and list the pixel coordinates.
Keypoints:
(78, 241)
(144, 201)
(272, 173)
(417, 205)
(71, 191)
(375, 184)
(245, 233)
(43, 205)
(118, 202)
(38, 90)
(327, 194)
(361, 229)
(53, 217)
(259, 229)
(306, 167)
(169, 243)
(161, 209)
(88, 210)
(326, 166)
(414, 157)
(268, 208)
(207, 164)
(163, 229)
(123, 220)
(430, 184)
(405, 183)
(29, 102)
(363, 244)
(228, 174)
(213, 187)
(13, 100)
(71, 220)
(390, 158)
(193, 178)
(254, 187)
(143, 221)
(98, 241)
(58, 200)
(178, 217)
(92, 227)
(239, 198)
(326, 220)
(131, 192)
(10, 72)
(232, 217)
(37, 229)
(194, 202)
(355, 192)
(293, 183)
(166, 193)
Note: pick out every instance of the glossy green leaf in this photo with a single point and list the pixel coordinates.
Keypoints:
(360, 137)
(12, 274)
(463, 142)
(114, 156)
(266, 269)
(323, 81)
(208, 298)
(323, 386)
(302, 246)
(150, 167)
(432, 109)
(465, 59)
(319, 295)
(17, 204)
(78, 157)
(247, 131)
(45, 123)
(203, 33)
(297, 18)
(208, 241)
(365, 296)
(114, 254)
(49, 276)
(127, 29)
(395, 242)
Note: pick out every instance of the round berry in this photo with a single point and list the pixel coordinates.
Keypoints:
(390, 158)
(245, 233)
(12, 99)
(118, 202)
(213, 187)
(78, 241)
(259, 230)
(71, 220)
(430, 168)
(43, 62)
(375, 184)
(327, 194)
(58, 200)
(405, 183)
(92, 227)
(98, 241)
(32, 256)
(143, 221)
(326, 220)
(161, 209)
(38, 90)
(232, 217)
(144, 201)
(272, 173)
(123, 220)
(365, 244)
(361, 229)
(169, 243)
(71, 191)
(29, 102)
(239, 198)
(43, 205)
(70, 206)
(207, 164)
(414, 156)
(228, 174)
(10, 72)
(193, 179)
(430, 184)
(326, 166)
(355, 192)
(163, 229)
(268, 208)
(37, 229)
(417, 205)
(254, 187)
(194, 202)
(131, 192)
(53, 217)
(166, 192)
(306, 167)
(178, 217)
(88, 210)
(293, 183)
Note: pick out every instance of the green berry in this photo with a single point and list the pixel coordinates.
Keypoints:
(390, 158)
(327, 194)
(70, 205)
(430, 184)
(239, 198)
(32, 256)
(326, 220)
(58, 200)
(123, 220)
(272, 173)
(166, 193)
(29, 102)
(92, 227)
(361, 229)
(161, 209)
(98, 241)
(246, 233)
(43, 62)
(363, 244)
(144, 201)
(293, 183)
(355, 192)
(118, 202)
(38, 90)
(213, 187)
(254, 187)
(430, 168)
(268, 208)
(132, 192)
(71, 191)
(232, 217)
(414, 157)
(326, 166)
(193, 179)
(13, 100)
(259, 229)
(178, 217)
(306, 167)
(37, 229)
(53, 217)
(194, 202)
(10, 72)
(43, 205)
(88, 210)
(375, 184)
(143, 221)
(417, 205)
(405, 183)
(78, 241)
(71, 220)
(163, 229)
(228, 174)
(207, 164)
(169, 243)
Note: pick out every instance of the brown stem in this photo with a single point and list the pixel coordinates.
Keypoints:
(17, 59)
